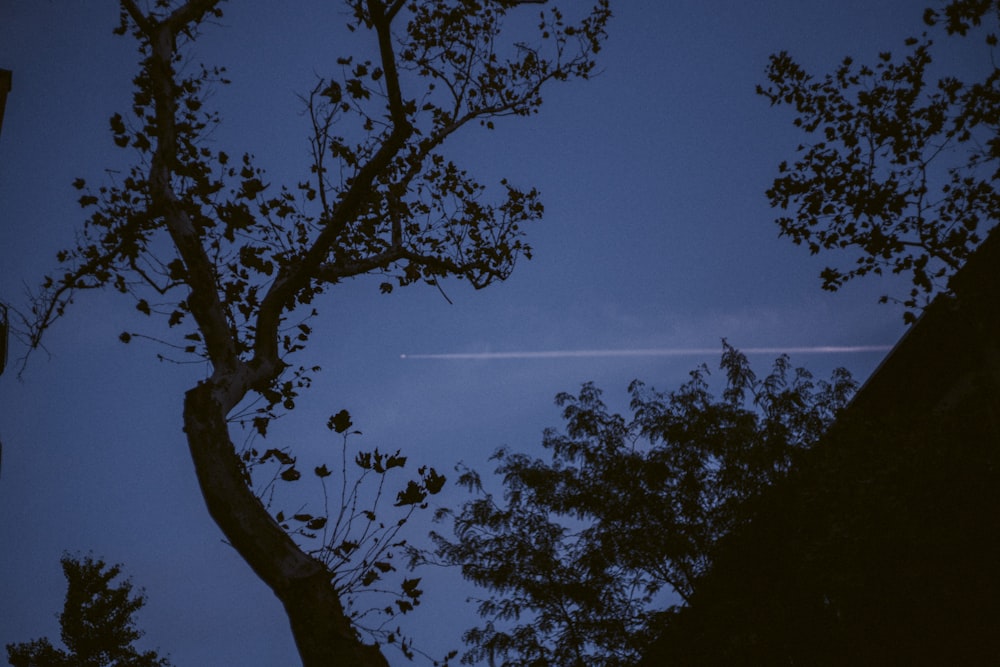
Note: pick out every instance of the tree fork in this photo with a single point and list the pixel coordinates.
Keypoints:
(323, 633)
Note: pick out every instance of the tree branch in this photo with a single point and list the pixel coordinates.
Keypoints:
(206, 306)
(296, 274)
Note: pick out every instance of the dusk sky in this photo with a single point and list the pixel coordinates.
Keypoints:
(657, 236)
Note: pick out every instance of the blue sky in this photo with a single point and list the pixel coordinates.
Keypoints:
(657, 234)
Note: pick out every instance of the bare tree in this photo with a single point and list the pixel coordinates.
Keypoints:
(234, 265)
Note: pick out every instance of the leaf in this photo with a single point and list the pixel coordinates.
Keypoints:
(291, 474)
(411, 495)
(117, 124)
(302, 517)
(143, 307)
(283, 457)
(340, 422)
(332, 92)
(395, 461)
(434, 482)
(176, 269)
(322, 471)
(317, 523)
(410, 589)
(346, 547)
(357, 89)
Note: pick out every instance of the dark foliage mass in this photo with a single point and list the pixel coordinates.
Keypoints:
(587, 551)
(897, 171)
(98, 628)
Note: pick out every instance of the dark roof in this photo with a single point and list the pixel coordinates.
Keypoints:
(882, 546)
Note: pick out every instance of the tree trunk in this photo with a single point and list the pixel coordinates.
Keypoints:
(323, 633)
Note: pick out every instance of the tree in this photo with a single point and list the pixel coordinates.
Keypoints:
(97, 623)
(896, 171)
(589, 550)
(233, 266)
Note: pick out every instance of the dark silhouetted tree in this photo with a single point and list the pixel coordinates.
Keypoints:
(897, 170)
(98, 628)
(588, 551)
(234, 265)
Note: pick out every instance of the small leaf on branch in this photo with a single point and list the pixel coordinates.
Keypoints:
(434, 482)
(117, 124)
(346, 547)
(332, 92)
(340, 422)
(283, 457)
(410, 589)
(395, 461)
(411, 495)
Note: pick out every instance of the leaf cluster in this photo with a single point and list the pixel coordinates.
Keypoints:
(898, 171)
(586, 548)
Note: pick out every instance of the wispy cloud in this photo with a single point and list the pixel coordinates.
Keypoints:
(653, 352)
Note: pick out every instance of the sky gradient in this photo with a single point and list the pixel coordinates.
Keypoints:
(657, 237)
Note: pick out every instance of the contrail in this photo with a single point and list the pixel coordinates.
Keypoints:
(653, 352)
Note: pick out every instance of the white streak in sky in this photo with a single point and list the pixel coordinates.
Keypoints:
(655, 352)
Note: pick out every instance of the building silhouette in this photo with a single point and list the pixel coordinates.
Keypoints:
(883, 546)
